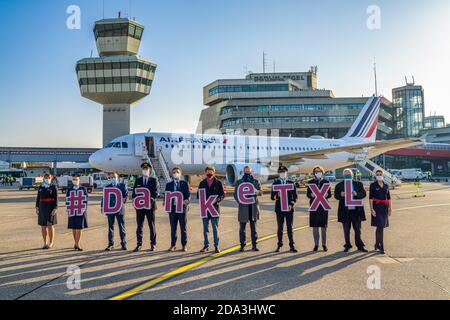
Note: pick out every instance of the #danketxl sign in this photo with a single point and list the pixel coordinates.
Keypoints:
(283, 190)
(320, 197)
(207, 205)
(76, 203)
(112, 200)
(173, 198)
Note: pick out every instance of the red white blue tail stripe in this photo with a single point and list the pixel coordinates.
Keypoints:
(366, 124)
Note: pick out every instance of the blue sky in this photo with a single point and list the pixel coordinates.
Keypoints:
(195, 42)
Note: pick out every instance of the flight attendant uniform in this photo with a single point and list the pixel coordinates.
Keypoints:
(381, 197)
(47, 201)
(283, 216)
(319, 218)
(78, 222)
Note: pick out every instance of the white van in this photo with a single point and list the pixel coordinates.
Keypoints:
(411, 174)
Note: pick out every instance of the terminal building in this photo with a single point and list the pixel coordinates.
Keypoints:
(118, 77)
(289, 102)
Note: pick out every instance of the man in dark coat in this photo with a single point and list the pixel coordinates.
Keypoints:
(319, 218)
(248, 212)
(178, 218)
(351, 216)
(288, 215)
(146, 181)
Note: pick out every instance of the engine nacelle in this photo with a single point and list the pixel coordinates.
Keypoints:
(235, 171)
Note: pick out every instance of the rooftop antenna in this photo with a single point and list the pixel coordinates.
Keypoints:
(103, 9)
(92, 52)
(375, 74)
(274, 65)
(120, 14)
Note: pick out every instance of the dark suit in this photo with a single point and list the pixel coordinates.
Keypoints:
(153, 185)
(287, 216)
(178, 218)
(351, 217)
(117, 216)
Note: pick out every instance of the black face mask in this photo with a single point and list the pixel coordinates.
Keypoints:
(247, 176)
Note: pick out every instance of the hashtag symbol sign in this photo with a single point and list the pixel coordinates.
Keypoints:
(76, 203)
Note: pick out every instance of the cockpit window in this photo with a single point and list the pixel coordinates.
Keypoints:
(109, 145)
(124, 145)
(117, 145)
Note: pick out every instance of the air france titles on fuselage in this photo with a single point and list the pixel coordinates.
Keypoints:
(191, 140)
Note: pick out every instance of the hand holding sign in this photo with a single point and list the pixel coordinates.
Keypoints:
(283, 190)
(349, 193)
(143, 199)
(207, 205)
(112, 200)
(246, 193)
(319, 196)
(76, 203)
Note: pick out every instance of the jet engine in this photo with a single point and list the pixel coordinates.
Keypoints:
(236, 170)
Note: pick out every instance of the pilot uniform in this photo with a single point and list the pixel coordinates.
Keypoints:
(78, 222)
(153, 185)
(47, 201)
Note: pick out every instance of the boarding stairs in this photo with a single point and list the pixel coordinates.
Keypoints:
(160, 169)
(372, 167)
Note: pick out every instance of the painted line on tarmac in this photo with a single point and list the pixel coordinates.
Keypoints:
(180, 270)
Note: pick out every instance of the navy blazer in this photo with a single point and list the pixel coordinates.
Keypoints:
(292, 196)
(343, 212)
(152, 185)
(183, 187)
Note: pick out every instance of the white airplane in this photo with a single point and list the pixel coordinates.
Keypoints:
(231, 153)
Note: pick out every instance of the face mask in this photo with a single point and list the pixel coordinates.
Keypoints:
(47, 181)
(210, 175)
(348, 177)
(319, 175)
(114, 180)
(145, 173)
(380, 178)
(247, 175)
(283, 175)
(176, 176)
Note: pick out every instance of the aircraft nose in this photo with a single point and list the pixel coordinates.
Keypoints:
(95, 160)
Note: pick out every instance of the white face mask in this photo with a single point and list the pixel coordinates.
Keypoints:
(283, 175)
(176, 176)
(146, 173)
(76, 183)
(319, 175)
(380, 178)
(47, 181)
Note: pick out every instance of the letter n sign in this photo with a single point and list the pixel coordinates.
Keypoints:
(171, 196)
(112, 200)
(282, 190)
(143, 199)
(76, 203)
(349, 201)
(320, 198)
(206, 205)
(246, 193)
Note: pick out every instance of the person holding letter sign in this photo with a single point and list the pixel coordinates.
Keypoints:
(113, 206)
(210, 193)
(176, 203)
(76, 204)
(351, 208)
(246, 193)
(318, 193)
(380, 207)
(46, 208)
(145, 192)
(284, 192)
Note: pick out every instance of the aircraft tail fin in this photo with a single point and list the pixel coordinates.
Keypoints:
(365, 126)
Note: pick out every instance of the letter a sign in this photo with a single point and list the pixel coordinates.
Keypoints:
(143, 200)
(320, 198)
(349, 201)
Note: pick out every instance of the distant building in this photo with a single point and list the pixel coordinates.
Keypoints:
(409, 110)
(118, 78)
(437, 135)
(288, 102)
(434, 122)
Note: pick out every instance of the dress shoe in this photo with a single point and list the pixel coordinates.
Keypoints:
(363, 250)
(217, 250)
(205, 249)
(347, 249)
(293, 250)
(242, 249)
(316, 248)
(184, 249)
(45, 247)
(325, 248)
(109, 247)
(152, 247)
(278, 249)
(124, 247)
(172, 248)
(255, 249)
(138, 248)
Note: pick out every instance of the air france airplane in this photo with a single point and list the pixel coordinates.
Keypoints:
(231, 153)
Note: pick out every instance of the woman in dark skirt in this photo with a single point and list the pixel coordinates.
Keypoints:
(78, 222)
(46, 208)
(380, 207)
(318, 219)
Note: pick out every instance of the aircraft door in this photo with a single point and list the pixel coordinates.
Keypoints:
(150, 144)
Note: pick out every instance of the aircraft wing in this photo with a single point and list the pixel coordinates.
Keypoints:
(373, 149)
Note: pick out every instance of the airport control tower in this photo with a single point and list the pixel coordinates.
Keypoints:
(117, 78)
